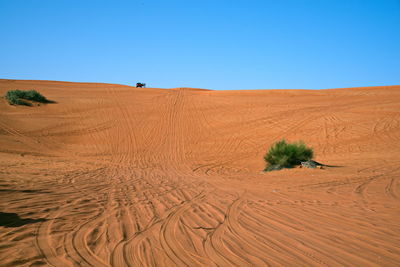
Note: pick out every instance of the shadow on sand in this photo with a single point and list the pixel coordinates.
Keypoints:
(24, 191)
(13, 220)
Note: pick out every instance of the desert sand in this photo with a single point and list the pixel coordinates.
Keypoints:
(113, 175)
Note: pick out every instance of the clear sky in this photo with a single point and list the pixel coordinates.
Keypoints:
(215, 44)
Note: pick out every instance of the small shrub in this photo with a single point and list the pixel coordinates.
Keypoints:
(283, 155)
(17, 97)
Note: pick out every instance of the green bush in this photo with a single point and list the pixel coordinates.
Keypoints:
(283, 155)
(17, 97)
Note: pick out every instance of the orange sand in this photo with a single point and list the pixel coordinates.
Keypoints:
(113, 175)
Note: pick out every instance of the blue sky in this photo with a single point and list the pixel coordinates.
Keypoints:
(215, 44)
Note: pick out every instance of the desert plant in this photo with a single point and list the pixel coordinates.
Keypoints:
(17, 97)
(283, 155)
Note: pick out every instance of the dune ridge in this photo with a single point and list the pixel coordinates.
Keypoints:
(114, 175)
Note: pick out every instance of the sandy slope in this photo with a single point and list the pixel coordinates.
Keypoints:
(114, 175)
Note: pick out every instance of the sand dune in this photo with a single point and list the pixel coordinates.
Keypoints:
(113, 175)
